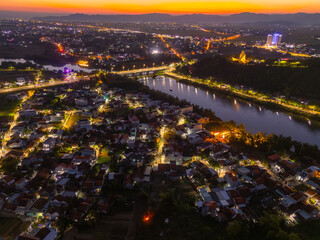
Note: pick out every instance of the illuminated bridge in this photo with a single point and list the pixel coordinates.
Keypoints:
(142, 71)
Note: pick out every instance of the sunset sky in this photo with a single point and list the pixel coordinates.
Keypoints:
(162, 6)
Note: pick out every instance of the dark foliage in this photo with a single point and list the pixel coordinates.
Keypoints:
(300, 82)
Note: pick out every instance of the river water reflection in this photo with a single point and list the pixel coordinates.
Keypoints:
(254, 117)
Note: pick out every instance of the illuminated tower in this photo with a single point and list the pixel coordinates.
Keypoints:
(269, 40)
(274, 40)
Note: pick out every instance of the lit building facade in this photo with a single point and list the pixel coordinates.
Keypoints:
(274, 40)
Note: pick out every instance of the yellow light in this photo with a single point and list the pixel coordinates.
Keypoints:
(83, 63)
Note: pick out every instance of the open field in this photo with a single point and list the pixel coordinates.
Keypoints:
(121, 225)
(11, 76)
(11, 227)
(7, 108)
(103, 156)
(185, 188)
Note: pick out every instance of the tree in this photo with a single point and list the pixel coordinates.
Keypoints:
(9, 165)
(233, 229)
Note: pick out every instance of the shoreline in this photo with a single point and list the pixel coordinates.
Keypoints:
(266, 103)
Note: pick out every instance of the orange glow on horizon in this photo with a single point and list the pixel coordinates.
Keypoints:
(162, 6)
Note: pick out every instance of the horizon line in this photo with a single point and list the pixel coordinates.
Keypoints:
(146, 13)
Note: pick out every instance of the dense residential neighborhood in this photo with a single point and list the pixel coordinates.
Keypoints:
(70, 149)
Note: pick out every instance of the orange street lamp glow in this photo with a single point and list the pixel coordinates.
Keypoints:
(147, 217)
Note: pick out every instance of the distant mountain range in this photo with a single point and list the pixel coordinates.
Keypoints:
(297, 18)
(15, 14)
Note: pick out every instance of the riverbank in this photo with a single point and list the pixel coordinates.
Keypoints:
(272, 104)
(266, 143)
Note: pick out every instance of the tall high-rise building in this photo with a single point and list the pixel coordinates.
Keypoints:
(274, 40)
(269, 40)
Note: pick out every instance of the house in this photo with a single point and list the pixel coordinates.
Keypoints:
(62, 168)
(24, 201)
(305, 212)
(314, 182)
(9, 207)
(285, 165)
(20, 183)
(17, 144)
(46, 234)
(81, 102)
(26, 237)
(56, 118)
(84, 124)
(205, 194)
(17, 130)
(38, 208)
(312, 171)
(49, 144)
(28, 113)
(77, 160)
(274, 158)
(293, 198)
(8, 180)
(54, 212)
(21, 81)
(231, 178)
(134, 120)
(60, 200)
(3, 199)
(203, 120)
(209, 208)
(62, 182)
(56, 133)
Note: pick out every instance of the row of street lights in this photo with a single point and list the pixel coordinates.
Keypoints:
(134, 66)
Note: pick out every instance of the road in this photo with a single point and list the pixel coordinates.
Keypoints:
(7, 135)
(78, 79)
(44, 85)
(303, 55)
(300, 110)
(207, 46)
(172, 49)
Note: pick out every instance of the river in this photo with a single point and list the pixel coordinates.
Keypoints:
(255, 118)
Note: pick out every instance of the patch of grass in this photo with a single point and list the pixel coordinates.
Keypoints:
(72, 120)
(104, 156)
(302, 187)
(7, 108)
